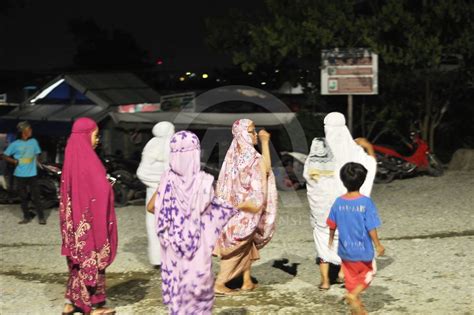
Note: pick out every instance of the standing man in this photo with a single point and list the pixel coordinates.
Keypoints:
(23, 154)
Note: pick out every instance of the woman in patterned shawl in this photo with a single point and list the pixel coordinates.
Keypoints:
(87, 220)
(189, 220)
(247, 183)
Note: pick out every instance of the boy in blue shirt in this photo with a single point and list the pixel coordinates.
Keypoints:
(23, 154)
(355, 216)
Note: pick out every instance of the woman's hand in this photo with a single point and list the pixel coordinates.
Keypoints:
(150, 207)
(248, 206)
(364, 143)
(263, 136)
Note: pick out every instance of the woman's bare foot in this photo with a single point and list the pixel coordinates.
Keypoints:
(324, 286)
(68, 308)
(249, 286)
(221, 289)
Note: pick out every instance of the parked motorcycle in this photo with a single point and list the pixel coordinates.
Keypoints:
(128, 189)
(49, 177)
(418, 158)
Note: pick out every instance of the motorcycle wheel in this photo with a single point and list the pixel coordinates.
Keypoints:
(48, 193)
(435, 168)
(120, 195)
(384, 177)
(4, 196)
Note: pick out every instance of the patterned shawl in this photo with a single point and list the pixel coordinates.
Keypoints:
(240, 179)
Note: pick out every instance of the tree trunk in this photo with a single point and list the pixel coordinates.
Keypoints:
(362, 120)
(427, 115)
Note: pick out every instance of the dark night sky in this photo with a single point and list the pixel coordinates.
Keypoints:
(36, 36)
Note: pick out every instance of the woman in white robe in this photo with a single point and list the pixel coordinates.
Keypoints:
(324, 184)
(155, 160)
(322, 190)
(345, 149)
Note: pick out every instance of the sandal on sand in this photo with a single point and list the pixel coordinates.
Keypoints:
(102, 311)
(224, 293)
(321, 288)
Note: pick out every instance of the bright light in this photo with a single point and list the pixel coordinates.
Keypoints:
(218, 80)
(276, 70)
(159, 62)
(182, 79)
(205, 76)
(192, 75)
(188, 73)
(48, 90)
(263, 83)
(250, 73)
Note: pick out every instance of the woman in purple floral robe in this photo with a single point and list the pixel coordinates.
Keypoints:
(189, 219)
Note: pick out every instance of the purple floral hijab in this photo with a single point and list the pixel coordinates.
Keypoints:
(179, 224)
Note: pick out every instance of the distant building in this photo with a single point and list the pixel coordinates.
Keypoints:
(54, 107)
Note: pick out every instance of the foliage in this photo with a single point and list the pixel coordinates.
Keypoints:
(414, 39)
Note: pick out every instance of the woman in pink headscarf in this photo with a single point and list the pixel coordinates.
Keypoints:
(189, 220)
(247, 183)
(87, 221)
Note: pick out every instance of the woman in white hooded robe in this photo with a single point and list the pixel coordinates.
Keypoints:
(322, 191)
(324, 185)
(155, 160)
(346, 149)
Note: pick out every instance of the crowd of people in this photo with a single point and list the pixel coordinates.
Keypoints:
(190, 218)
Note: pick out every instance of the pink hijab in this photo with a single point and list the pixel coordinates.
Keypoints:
(87, 214)
(179, 226)
(240, 179)
(240, 161)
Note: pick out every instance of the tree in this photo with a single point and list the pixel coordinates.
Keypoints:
(412, 38)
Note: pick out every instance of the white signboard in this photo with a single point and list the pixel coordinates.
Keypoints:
(349, 72)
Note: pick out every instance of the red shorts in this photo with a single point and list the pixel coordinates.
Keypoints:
(357, 273)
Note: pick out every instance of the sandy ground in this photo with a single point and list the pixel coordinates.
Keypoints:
(428, 232)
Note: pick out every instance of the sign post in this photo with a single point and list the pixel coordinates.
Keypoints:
(349, 72)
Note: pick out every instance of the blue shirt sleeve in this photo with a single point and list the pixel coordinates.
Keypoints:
(36, 149)
(331, 220)
(372, 220)
(10, 149)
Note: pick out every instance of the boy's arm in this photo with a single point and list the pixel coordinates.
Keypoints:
(331, 237)
(378, 246)
(9, 159)
(332, 227)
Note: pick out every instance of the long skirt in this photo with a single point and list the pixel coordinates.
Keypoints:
(79, 294)
(188, 284)
(234, 263)
(321, 241)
